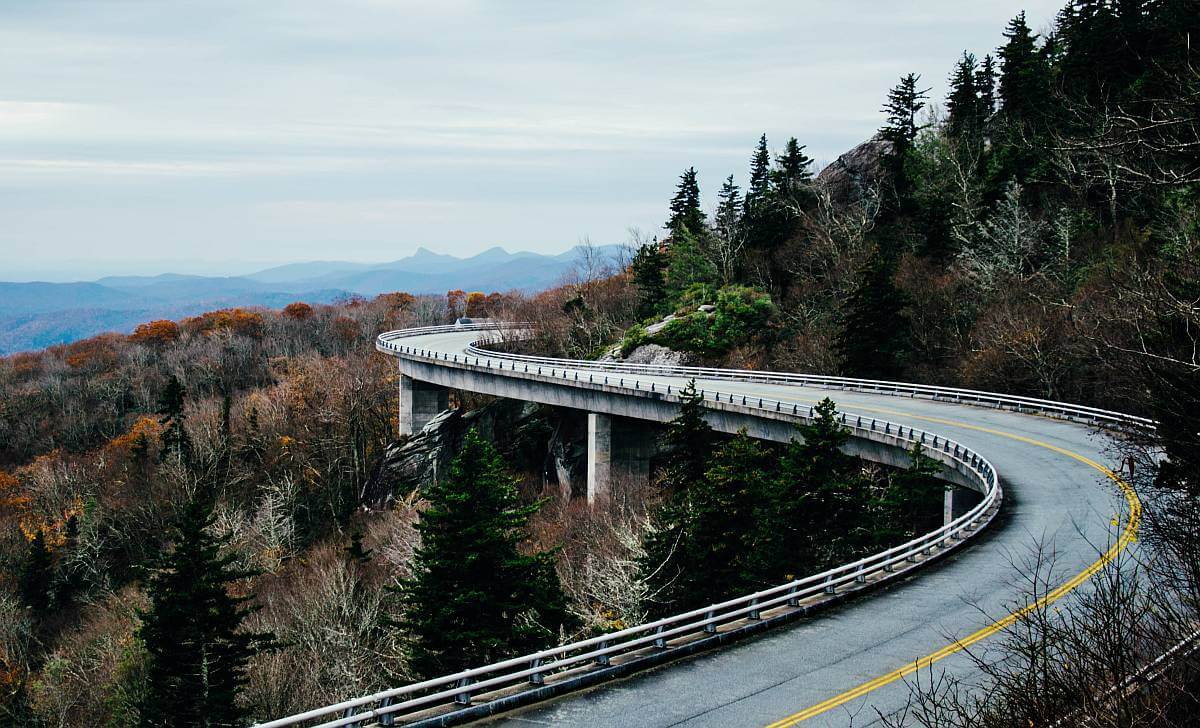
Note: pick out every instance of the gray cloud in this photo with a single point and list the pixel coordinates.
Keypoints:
(155, 134)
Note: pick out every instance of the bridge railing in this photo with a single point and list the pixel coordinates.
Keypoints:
(531, 671)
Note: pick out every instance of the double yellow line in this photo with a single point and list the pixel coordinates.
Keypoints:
(1128, 535)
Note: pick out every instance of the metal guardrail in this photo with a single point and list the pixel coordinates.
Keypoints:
(532, 670)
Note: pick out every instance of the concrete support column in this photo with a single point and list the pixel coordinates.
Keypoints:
(957, 501)
(420, 402)
(599, 456)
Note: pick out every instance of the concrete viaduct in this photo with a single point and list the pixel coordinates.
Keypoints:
(839, 660)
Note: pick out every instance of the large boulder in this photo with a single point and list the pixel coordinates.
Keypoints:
(656, 354)
(855, 174)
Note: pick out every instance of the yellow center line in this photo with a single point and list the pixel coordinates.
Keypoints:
(1128, 535)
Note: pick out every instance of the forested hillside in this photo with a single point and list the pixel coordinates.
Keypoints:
(210, 489)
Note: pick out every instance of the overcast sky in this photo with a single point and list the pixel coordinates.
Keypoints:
(147, 136)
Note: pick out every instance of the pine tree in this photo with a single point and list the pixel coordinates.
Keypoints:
(912, 501)
(35, 582)
(759, 191)
(729, 210)
(197, 652)
(649, 268)
(792, 171)
(1022, 86)
(963, 104)
(689, 440)
(985, 84)
(687, 263)
(874, 340)
(474, 598)
(905, 101)
(175, 440)
(685, 205)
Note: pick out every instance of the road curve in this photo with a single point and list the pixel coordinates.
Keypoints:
(840, 666)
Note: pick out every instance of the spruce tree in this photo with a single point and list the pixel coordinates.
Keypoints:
(962, 105)
(685, 205)
(874, 339)
(649, 269)
(175, 440)
(792, 170)
(689, 440)
(905, 101)
(729, 210)
(1022, 86)
(197, 651)
(35, 581)
(912, 501)
(985, 84)
(759, 191)
(473, 597)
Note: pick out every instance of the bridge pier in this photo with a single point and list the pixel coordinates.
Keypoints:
(957, 501)
(599, 457)
(420, 402)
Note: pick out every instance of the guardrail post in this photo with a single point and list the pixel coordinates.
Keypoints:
(463, 698)
(711, 627)
(536, 678)
(603, 660)
(754, 613)
(861, 576)
(660, 642)
(830, 588)
(793, 601)
(350, 712)
(387, 719)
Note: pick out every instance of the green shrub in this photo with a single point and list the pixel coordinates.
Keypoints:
(739, 314)
(634, 337)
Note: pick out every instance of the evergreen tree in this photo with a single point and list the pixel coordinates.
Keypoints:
(1022, 87)
(912, 501)
(175, 440)
(474, 598)
(688, 441)
(821, 497)
(963, 105)
(759, 191)
(197, 652)
(35, 582)
(874, 340)
(685, 205)
(687, 263)
(699, 551)
(792, 171)
(729, 210)
(649, 268)
(985, 84)
(905, 101)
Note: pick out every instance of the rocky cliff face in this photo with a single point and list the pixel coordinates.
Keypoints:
(535, 440)
(852, 176)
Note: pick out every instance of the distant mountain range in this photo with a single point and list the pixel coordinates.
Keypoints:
(37, 315)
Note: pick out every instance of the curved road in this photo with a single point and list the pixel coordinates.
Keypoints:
(839, 667)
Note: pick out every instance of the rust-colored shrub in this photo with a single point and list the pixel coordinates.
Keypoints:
(155, 333)
(475, 303)
(236, 320)
(346, 329)
(298, 311)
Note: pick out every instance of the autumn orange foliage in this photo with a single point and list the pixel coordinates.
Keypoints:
(475, 303)
(98, 352)
(144, 430)
(237, 320)
(156, 333)
(298, 311)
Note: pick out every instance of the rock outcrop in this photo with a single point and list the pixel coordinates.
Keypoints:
(855, 174)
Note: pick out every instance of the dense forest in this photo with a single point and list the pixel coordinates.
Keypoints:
(203, 493)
